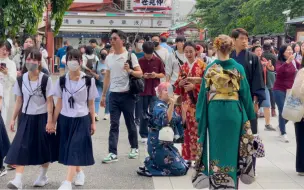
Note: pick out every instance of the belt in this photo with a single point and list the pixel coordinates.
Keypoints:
(233, 96)
(225, 94)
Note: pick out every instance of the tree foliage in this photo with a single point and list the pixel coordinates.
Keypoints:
(256, 16)
(27, 14)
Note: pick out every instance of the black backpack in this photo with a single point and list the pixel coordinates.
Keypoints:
(88, 82)
(137, 85)
(44, 82)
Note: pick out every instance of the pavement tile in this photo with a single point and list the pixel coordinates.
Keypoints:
(280, 185)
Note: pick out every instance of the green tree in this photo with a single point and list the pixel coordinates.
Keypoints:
(256, 16)
(27, 14)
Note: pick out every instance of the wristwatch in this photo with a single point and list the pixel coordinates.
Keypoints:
(255, 102)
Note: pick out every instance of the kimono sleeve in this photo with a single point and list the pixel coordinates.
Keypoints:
(245, 95)
(201, 112)
(160, 116)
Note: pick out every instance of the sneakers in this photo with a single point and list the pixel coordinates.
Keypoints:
(14, 185)
(144, 140)
(80, 178)
(66, 185)
(284, 138)
(106, 116)
(96, 117)
(269, 128)
(301, 173)
(41, 181)
(3, 171)
(110, 158)
(133, 154)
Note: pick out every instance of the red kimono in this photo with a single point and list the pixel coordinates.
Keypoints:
(189, 148)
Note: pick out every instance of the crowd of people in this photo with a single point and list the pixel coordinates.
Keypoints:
(193, 94)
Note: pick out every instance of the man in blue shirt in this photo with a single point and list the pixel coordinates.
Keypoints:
(163, 38)
(60, 53)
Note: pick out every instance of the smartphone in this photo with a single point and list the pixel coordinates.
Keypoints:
(3, 65)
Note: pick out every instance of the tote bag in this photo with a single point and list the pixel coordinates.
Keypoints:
(293, 109)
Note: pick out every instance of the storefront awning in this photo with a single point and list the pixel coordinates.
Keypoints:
(298, 20)
(108, 29)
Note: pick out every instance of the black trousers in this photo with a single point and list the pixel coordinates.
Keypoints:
(272, 102)
(299, 129)
(1, 163)
(147, 105)
(122, 103)
(254, 125)
(138, 110)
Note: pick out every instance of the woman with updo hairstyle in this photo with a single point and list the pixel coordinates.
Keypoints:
(188, 91)
(223, 111)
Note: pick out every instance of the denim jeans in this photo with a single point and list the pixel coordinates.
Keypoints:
(122, 103)
(279, 97)
(147, 104)
(97, 100)
(107, 109)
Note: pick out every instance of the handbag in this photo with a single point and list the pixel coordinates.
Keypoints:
(166, 134)
(137, 85)
(259, 149)
(293, 109)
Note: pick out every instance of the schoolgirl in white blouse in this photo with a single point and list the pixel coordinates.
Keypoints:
(35, 140)
(75, 116)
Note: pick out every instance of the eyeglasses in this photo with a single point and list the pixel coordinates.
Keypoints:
(113, 38)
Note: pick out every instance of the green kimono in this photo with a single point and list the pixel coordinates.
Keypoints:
(223, 110)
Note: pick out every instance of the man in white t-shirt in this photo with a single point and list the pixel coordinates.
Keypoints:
(120, 99)
(161, 53)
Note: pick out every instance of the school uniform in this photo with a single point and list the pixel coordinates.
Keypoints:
(32, 145)
(4, 140)
(74, 122)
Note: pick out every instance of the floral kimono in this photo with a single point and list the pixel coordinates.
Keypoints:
(189, 147)
(223, 110)
(164, 159)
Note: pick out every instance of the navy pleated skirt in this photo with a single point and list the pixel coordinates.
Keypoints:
(4, 140)
(32, 145)
(75, 142)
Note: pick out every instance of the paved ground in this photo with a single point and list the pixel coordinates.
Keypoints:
(275, 171)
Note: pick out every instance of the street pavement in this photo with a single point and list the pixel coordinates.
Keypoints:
(275, 171)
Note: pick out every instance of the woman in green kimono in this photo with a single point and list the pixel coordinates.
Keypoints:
(223, 110)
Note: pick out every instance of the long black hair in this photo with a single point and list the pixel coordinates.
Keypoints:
(282, 50)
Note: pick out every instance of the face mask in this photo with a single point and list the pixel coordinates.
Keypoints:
(156, 44)
(73, 65)
(103, 56)
(139, 46)
(31, 66)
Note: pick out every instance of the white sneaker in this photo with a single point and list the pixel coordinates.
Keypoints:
(301, 173)
(106, 116)
(41, 181)
(80, 177)
(144, 140)
(284, 138)
(66, 185)
(14, 185)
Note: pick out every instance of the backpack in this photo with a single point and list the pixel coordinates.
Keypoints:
(90, 62)
(88, 82)
(43, 85)
(44, 82)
